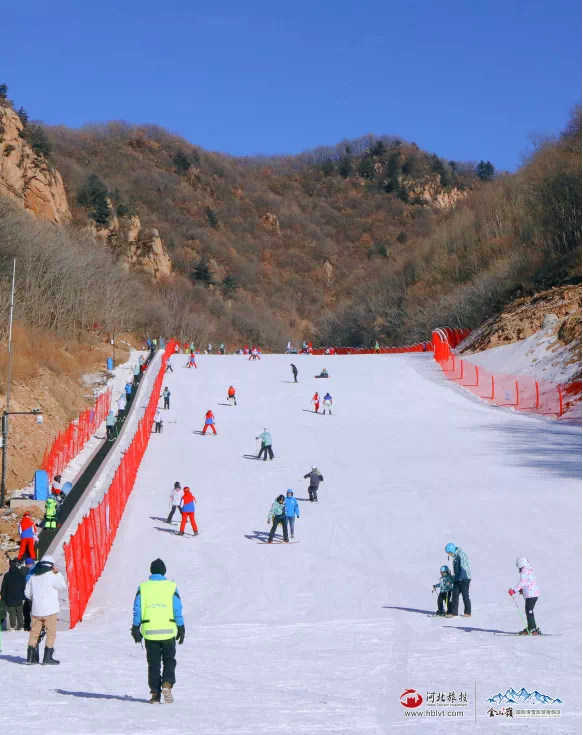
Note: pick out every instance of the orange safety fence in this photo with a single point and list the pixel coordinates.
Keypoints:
(521, 392)
(71, 441)
(418, 347)
(88, 548)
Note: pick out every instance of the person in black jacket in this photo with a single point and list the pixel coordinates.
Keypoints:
(12, 592)
(315, 480)
(294, 372)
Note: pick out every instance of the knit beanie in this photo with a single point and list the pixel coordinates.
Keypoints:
(158, 567)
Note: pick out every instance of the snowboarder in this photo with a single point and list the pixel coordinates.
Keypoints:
(292, 511)
(166, 396)
(42, 589)
(28, 535)
(316, 401)
(445, 586)
(121, 407)
(323, 374)
(294, 372)
(158, 619)
(231, 398)
(266, 445)
(157, 422)
(327, 405)
(50, 519)
(175, 498)
(462, 575)
(191, 361)
(528, 588)
(188, 509)
(12, 594)
(277, 516)
(209, 420)
(315, 480)
(110, 426)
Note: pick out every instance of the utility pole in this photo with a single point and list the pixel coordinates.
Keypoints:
(7, 408)
(113, 347)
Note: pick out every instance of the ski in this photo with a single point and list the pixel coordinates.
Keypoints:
(186, 535)
(266, 543)
(537, 635)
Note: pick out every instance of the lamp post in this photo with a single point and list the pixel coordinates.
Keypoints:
(5, 414)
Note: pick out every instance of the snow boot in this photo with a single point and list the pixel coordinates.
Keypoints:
(466, 615)
(180, 533)
(195, 533)
(167, 692)
(440, 614)
(524, 632)
(48, 657)
(155, 698)
(535, 631)
(31, 655)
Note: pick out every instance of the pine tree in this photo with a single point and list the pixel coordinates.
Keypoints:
(328, 167)
(3, 91)
(485, 171)
(181, 162)
(379, 149)
(23, 115)
(366, 168)
(345, 166)
(229, 285)
(94, 195)
(202, 272)
(212, 217)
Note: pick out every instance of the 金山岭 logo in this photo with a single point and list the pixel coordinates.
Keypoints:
(411, 699)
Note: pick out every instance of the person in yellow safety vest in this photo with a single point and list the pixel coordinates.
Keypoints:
(50, 513)
(158, 619)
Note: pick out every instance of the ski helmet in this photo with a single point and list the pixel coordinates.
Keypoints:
(176, 484)
(450, 548)
(290, 492)
(314, 468)
(445, 569)
(522, 561)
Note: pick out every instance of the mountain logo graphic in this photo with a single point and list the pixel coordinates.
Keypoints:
(523, 696)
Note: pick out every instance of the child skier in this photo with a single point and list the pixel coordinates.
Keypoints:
(528, 588)
(315, 480)
(316, 401)
(445, 586)
(157, 422)
(292, 511)
(110, 426)
(28, 535)
(191, 361)
(277, 516)
(231, 399)
(266, 443)
(209, 420)
(175, 499)
(166, 396)
(188, 509)
(327, 404)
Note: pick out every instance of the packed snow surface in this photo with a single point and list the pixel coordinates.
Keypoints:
(323, 636)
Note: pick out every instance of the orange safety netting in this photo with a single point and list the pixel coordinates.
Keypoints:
(419, 347)
(88, 548)
(522, 392)
(72, 440)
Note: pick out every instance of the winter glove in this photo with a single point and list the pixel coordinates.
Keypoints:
(137, 633)
(511, 593)
(180, 633)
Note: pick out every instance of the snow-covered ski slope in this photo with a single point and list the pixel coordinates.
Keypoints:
(323, 636)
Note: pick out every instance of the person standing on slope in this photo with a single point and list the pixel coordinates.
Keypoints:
(110, 426)
(315, 480)
(166, 396)
(188, 509)
(266, 445)
(294, 372)
(277, 516)
(327, 405)
(121, 407)
(175, 499)
(292, 511)
(231, 398)
(316, 401)
(158, 619)
(157, 422)
(42, 589)
(12, 594)
(209, 420)
(28, 535)
(528, 588)
(445, 586)
(462, 575)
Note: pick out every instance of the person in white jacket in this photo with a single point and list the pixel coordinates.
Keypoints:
(121, 407)
(175, 497)
(42, 589)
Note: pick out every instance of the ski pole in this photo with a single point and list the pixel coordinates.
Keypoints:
(520, 614)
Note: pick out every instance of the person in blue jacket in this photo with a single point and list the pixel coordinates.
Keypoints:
(292, 511)
(161, 627)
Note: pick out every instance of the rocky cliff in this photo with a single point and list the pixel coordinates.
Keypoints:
(25, 175)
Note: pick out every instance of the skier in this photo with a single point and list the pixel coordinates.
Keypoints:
(154, 345)
(175, 498)
(315, 480)
(294, 372)
(304, 346)
(292, 511)
(56, 485)
(28, 535)
(42, 589)
(266, 445)
(316, 401)
(12, 594)
(158, 619)
(445, 586)
(121, 407)
(462, 574)
(188, 509)
(277, 516)
(209, 420)
(528, 588)
(377, 347)
(327, 404)
(254, 354)
(169, 368)
(177, 348)
(50, 519)
(231, 398)
(209, 348)
(110, 426)
(128, 389)
(191, 360)
(323, 374)
(166, 396)
(222, 348)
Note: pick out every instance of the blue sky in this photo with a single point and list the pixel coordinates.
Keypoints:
(466, 79)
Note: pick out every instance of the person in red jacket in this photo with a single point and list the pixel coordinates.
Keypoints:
(316, 401)
(28, 535)
(231, 396)
(209, 420)
(188, 509)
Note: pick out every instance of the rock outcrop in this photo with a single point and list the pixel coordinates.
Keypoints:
(270, 223)
(25, 175)
(430, 191)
